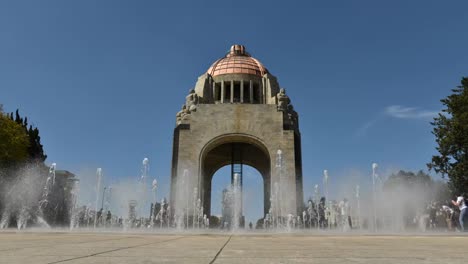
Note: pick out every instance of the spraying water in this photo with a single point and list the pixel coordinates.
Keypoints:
(154, 187)
(98, 188)
(181, 216)
(278, 186)
(358, 205)
(75, 189)
(325, 183)
(144, 176)
(374, 195)
(236, 202)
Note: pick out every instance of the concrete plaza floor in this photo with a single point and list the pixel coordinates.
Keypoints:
(81, 247)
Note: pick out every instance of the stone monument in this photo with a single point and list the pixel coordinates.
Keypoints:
(236, 115)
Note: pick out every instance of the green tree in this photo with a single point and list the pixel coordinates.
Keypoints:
(14, 142)
(408, 179)
(419, 183)
(451, 132)
(35, 148)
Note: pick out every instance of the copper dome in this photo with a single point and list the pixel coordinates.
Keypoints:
(237, 61)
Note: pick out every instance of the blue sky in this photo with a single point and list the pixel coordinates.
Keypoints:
(103, 80)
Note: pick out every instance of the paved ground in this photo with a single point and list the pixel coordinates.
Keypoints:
(74, 248)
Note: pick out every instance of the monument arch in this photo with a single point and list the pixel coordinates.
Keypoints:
(235, 150)
(237, 114)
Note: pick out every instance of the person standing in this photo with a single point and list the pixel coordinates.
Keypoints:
(321, 213)
(462, 206)
(449, 213)
(108, 218)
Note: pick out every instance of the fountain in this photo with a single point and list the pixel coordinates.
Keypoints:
(154, 186)
(316, 200)
(194, 206)
(52, 172)
(75, 189)
(5, 220)
(232, 204)
(374, 198)
(320, 212)
(143, 196)
(278, 187)
(358, 206)
(181, 215)
(132, 215)
(162, 216)
(23, 217)
(98, 187)
(44, 202)
(236, 202)
(325, 183)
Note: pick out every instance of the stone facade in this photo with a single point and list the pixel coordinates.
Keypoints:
(237, 114)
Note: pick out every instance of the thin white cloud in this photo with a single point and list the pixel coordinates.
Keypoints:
(362, 131)
(398, 111)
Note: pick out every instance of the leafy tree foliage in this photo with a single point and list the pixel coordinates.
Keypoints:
(20, 145)
(420, 184)
(408, 195)
(14, 142)
(35, 148)
(408, 179)
(451, 132)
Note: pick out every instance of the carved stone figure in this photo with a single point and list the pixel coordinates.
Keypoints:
(182, 114)
(179, 115)
(191, 101)
(283, 100)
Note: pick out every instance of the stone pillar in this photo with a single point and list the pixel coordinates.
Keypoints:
(232, 91)
(251, 92)
(222, 92)
(215, 93)
(263, 95)
(242, 91)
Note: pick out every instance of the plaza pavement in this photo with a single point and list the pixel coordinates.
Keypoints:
(258, 248)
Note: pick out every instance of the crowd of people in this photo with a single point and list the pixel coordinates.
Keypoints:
(316, 214)
(436, 216)
(449, 216)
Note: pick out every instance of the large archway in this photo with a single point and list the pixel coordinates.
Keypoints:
(236, 151)
(252, 193)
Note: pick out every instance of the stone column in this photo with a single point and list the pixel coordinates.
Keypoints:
(251, 92)
(215, 93)
(222, 92)
(263, 95)
(242, 91)
(232, 91)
